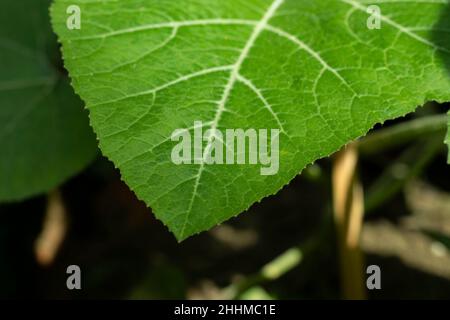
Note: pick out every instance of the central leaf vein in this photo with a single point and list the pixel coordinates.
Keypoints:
(226, 94)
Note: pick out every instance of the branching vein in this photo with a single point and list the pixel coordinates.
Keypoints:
(226, 94)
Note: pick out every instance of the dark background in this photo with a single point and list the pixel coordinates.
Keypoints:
(124, 252)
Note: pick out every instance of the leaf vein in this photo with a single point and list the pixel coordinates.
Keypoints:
(168, 84)
(221, 106)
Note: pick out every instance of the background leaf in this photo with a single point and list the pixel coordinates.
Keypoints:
(44, 132)
(310, 68)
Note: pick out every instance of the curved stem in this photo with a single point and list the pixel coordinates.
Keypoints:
(348, 205)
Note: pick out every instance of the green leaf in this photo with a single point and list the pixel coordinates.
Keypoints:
(311, 69)
(44, 132)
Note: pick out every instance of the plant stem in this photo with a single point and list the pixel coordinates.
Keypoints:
(348, 204)
(402, 133)
(410, 164)
(53, 231)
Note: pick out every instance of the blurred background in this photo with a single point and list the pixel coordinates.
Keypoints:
(294, 245)
(284, 247)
